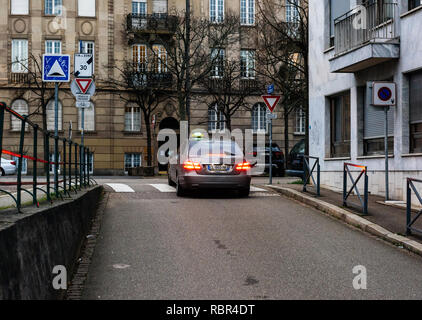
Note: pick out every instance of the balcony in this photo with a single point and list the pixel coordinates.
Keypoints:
(151, 23)
(18, 78)
(152, 79)
(366, 36)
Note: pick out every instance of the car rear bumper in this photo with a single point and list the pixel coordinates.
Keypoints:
(215, 182)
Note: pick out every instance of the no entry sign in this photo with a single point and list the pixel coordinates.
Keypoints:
(384, 94)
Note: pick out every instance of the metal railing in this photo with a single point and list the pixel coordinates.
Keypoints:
(365, 23)
(75, 165)
(308, 173)
(346, 193)
(409, 220)
(152, 22)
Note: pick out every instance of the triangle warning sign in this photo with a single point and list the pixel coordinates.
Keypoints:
(56, 71)
(271, 101)
(83, 84)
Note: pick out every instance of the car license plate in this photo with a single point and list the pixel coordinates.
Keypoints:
(218, 168)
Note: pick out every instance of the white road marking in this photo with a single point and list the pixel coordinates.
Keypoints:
(120, 187)
(255, 189)
(163, 187)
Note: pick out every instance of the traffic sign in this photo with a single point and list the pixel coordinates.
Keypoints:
(83, 104)
(271, 101)
(56, 68)
(83, 84)
(84, 63)
(83, 97)
(270, 89)
(384, 94)
(76, 90)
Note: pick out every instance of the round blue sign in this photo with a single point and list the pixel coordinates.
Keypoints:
(385, 94)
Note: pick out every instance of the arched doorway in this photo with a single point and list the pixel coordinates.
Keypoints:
(168, 123)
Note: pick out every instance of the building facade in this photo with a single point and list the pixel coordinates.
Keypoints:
(353, 44)
(114, 129)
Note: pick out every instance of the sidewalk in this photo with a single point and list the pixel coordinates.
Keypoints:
(389, 217)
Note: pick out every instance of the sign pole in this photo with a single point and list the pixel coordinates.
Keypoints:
(271, 151)
(387, 197)
(56, 135)
(83, 135)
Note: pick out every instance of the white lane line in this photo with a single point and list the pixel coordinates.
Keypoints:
(120, 187)
(163, 187)
(255, 189)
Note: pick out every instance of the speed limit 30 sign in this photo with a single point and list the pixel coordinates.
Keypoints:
(83, 65)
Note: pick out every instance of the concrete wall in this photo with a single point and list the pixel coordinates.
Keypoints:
(324, 84)
(31, 244)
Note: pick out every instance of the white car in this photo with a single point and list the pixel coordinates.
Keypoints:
(7, 167)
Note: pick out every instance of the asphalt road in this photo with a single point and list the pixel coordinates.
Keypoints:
(154, 245)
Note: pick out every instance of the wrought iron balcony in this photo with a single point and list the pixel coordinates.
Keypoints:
(18, 77)
(153, 79)
(364, 24)
(151, 23)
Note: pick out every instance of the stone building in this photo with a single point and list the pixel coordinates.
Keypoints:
(114, 129)
(352, 45)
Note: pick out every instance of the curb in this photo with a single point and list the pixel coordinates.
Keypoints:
(351, 218)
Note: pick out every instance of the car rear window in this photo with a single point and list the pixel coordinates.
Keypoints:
(214, 148)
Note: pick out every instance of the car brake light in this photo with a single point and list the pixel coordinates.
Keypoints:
(278, 154)
(13, 163)
(190, 165)
(243, 166)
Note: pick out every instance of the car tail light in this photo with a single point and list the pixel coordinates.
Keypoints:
(191, 165)
(278, 154)
(13, 163)
(243, 166)
(253, 153)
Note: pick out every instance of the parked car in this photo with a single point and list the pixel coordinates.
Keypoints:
(210, 165)
(277, 161)
(7, 167)
(295, 160)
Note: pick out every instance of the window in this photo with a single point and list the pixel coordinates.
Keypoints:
(247, 63)
(292, 10)
(87, 47)
(415, 105)
(340, 125)
(53, 47)
(53, 7)
(51, 115)
(247, 12)
(19, 55)
(132, 118)
(217, 57)
(140, 57)
(160, 58)
(52, 162)
(19, 7)
(414, 3)
(91, 162)
(21, 107)
(159, 7)
(89, 118)
(216, 119)
(24, 164)
(132, 160)
(216, 10)
(86, 8)
(300, 121)
(259, 121)
(139, 7)
(374, 130)
(337, 9)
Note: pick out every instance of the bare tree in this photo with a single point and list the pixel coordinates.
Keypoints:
(282, 55)
(229, 90)
(146, 89)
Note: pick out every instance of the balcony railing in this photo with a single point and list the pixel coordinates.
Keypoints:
(153, 79)
(15, 77)
(151, 23)
(367, 23)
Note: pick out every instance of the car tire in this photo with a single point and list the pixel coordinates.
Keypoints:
(180, 192)
(2, 172)
(244, 193)
(170, 182)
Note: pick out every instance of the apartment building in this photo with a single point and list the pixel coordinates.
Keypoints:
(114, 129)
(352, 44)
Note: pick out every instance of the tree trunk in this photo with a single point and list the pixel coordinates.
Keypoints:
(286, 137)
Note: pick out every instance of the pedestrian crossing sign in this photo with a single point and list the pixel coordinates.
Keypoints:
(56, 68)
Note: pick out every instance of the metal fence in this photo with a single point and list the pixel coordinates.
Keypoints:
(409, 221)
(76, 163)
(308, 174)
(347, 174)
(376, 21)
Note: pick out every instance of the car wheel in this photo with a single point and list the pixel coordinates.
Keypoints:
(180, 192)
(170, 182)
(244, 193)
(2, 172)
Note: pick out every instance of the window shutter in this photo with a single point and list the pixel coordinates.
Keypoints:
(20, 7)
(416, 97)
(159, 6)
(374, 117)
